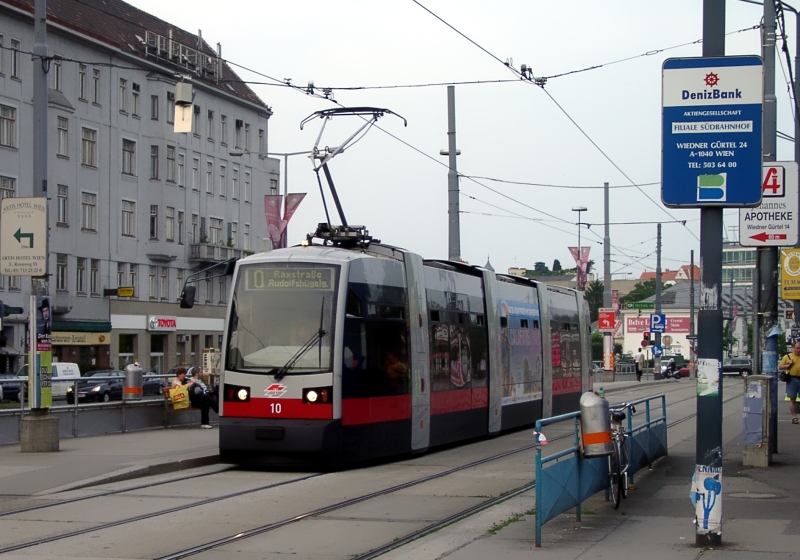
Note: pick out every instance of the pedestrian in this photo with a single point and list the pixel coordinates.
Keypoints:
(791, 364)
(638, 359)
(198, 396)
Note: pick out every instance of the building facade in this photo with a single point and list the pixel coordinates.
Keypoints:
(131, 203)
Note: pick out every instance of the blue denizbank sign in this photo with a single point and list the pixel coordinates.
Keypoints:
(711, 131)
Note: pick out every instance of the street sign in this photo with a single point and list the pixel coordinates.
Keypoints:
(691, 337)
(606, 320)
(657, 351)
(790, 273)
(711, 131)
(23, 236)
(640, 305)
(658, 322)
(774, 222)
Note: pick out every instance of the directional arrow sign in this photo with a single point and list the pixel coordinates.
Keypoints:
(21, 221)
(19, 235)
(606, 320)
(774, 223)
(764, 236)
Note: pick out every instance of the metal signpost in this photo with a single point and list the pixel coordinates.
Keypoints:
(774, 222)
(711, 159)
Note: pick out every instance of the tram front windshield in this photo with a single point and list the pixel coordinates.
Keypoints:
(282, 319)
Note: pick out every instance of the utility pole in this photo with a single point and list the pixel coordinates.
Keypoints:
(454, 226)
(708, 450)
(767, 257)
(608, 337)
(39, 430)
(657, 359)
(692, 333)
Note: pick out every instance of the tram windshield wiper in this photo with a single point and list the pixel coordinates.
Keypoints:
(281, 372)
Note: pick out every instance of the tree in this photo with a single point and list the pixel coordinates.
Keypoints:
(641, 291)
(594, 297)
(597, 345)
(540, 267)
(557, 266)
(727, 344)
(589, 266)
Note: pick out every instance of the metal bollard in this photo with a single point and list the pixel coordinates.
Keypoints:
(132, 388)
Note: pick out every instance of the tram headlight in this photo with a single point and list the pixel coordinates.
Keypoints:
(318, 395)
(235, 393)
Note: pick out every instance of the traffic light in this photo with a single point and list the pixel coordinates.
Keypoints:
(645, 338)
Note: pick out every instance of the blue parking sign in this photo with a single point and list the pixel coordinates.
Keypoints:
(658, 322)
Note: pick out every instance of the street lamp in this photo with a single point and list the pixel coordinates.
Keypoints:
(730, 323)
(579, 209)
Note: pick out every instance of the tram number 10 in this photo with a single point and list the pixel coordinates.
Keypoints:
(275, 408)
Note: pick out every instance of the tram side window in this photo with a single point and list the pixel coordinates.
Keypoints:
(503, 322)
(375, 354)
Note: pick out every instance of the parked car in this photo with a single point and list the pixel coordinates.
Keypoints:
(152, 385)
(10, 386)
(737, 366)
(99, 390)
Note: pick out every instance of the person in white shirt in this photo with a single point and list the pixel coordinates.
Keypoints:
(638, 359)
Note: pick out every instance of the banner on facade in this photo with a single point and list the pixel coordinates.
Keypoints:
(272, 210)
(582, 263)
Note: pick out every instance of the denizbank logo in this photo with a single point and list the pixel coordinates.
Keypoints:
(711, 80)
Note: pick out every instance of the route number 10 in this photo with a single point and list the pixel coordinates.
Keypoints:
(275, 408)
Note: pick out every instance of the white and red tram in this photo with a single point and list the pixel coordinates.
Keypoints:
(334, 355)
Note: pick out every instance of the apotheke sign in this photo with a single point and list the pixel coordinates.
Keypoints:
(162, 323)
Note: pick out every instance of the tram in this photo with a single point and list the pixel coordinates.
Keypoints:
(344, 349)
(335, 355)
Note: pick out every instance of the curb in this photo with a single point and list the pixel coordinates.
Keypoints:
(131, 473)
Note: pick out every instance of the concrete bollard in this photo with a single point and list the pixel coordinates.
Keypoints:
(39, 432)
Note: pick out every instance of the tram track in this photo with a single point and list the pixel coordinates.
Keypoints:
(243, 535)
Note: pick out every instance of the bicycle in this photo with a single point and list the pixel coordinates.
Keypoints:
(618, 461)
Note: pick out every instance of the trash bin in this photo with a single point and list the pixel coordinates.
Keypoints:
(595, 426)
(132, 388)
(756, 410)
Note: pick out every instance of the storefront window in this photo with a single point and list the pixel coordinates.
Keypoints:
(127, 350)
(157, 353)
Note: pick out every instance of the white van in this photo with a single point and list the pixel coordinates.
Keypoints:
(66, 371)
(64, 375)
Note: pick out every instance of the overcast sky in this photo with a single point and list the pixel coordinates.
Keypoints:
(510, 131)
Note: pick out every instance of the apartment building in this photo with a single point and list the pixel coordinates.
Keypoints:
(132, 204)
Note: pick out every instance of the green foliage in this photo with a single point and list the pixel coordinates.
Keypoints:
(727, 344)
(540, 267)
(594, 297)
(557, 266)
(597, 345)
(641, 291)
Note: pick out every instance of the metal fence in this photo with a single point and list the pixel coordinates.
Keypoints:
(565, 478)
(85, 419)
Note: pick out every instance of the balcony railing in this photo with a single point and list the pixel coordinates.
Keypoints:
(206, 252)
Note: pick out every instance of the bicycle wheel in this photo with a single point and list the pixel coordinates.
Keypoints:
(614, 478)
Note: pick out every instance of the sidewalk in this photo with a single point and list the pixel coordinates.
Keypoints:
(89, 461)
(760, 506)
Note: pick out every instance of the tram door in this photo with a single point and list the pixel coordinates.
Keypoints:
(420, 350)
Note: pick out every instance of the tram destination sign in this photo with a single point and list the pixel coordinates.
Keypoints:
(773, 223)
(711, 132)
(258, 277)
